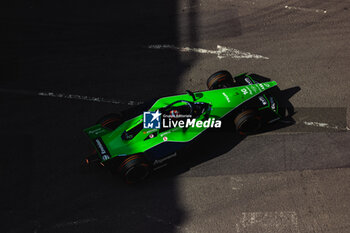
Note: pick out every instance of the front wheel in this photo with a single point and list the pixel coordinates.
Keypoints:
(134, 169)
(247, 122)
(220, 79)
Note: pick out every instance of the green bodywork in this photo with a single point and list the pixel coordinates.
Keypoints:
(222, 101)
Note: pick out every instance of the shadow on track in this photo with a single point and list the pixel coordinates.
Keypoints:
(89, 49)
(92, 49)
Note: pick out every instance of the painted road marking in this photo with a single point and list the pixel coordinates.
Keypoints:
(221, 52)
(74, 223)
(236, 183)
(88, 98)
(323, 125)
(278, 221)
(71, 96)
(305, 9)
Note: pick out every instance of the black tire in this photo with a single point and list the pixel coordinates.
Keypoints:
(247, 122)
(134, 169)
(220, 79)
(111, 121)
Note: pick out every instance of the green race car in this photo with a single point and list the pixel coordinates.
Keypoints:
(134, 146)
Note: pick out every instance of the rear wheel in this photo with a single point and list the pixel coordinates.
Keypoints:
(134, 169)
(220, 79)
(111, 121)
(247, 122)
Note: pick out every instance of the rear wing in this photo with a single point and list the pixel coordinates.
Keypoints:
(95, 133)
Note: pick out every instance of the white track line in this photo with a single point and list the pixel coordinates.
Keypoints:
(278, 221)
(88, 98)
(323, 125)
(70, 96)
(305, 9)
(74, 223)
(221, 52)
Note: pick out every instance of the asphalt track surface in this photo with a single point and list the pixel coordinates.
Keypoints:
(293, 179)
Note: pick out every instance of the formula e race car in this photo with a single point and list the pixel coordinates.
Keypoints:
(135, 146)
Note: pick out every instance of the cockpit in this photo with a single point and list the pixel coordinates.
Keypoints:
(184, 109)
(176, 111)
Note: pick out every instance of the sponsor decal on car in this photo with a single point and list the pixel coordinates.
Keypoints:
(95, 131)
(261, 86)
(105, 157)
(273, 104)
(102, 149)
(248, 81)
(262, 100)
(250, 91)
(159, 161)
(228, 99)
(244, 91)
(254, 89)
(99, 144)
